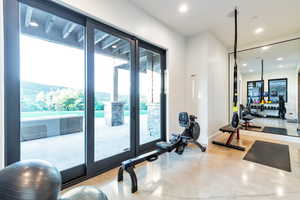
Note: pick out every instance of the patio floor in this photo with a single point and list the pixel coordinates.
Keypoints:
(67, 151)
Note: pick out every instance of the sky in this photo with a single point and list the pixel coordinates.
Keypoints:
(54, 64)
(49, 63)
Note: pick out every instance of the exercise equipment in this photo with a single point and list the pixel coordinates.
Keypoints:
(231, 129)
(84, 193)
(190, 134)
(247, 118)
(39, 180)
(177, 143)
(235, 70)
(282, 108)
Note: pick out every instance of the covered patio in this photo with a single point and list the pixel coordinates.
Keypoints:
(67, 151)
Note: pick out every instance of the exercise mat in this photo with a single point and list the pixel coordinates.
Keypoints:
(270, 154)
(275, 130)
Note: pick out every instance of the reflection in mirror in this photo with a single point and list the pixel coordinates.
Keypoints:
(269, 88)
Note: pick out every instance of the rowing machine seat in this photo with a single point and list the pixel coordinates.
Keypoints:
(166, 146)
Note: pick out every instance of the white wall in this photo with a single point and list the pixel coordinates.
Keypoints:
(291, 74)
(125, 16)
(207, 83)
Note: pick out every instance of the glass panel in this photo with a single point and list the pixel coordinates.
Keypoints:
(52, 64)
(254, 91)
(150, 91)
(112, 95)
(278, 88)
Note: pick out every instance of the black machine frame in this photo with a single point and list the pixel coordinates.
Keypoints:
(12, 89)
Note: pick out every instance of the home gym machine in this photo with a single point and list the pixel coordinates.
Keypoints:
(177, 143)
(247, 117)
(234, 127)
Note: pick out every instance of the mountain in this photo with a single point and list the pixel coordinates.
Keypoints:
(29, 90)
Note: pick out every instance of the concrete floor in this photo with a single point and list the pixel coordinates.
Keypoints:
(218, 174)
(279, 123)
(68, 150)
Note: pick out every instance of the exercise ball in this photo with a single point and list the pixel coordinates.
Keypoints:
(30, 180)
(84, 193)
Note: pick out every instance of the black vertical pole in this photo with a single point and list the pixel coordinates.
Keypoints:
(235, 74)
(262, 89)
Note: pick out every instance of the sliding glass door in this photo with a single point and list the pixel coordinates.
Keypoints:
(151, 97)
(111, 69)
(79, 94)
(52, 88)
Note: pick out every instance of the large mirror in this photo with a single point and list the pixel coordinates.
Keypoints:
(268, 87)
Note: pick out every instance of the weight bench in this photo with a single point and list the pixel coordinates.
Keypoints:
(231, 129)
(247, 122)
(247, 117)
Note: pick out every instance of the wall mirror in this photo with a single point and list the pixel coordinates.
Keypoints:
(268, 87)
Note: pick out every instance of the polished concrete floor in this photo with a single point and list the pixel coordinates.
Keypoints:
(218, 174)
(279, 123)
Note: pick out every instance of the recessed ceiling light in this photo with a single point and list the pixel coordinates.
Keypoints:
(245, 64)
(34, 24)
(251, 70)
(258, 30)
(183, 8)
(280, 59)
(265, 48)
(114, 46)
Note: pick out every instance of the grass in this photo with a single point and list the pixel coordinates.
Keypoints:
(98, 114)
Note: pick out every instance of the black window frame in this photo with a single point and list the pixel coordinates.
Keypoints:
(280, 79)
(12, 86)
(248, 82)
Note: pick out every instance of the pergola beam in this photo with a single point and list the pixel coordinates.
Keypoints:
(121, 47)
(69, 27)
(28, 16)
(125, 51)
(99, 37)
(111, 42)
(49, 24)
(80, 36)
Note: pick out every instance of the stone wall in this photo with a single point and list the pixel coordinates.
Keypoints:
(36, 128)
(114, 113)
(154, 119)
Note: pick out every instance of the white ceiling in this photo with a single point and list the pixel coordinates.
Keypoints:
(289, 51)
(278, 17)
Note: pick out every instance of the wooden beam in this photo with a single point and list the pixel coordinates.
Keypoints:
(100, 36)
(49, 24)
(69, 27)
(110, 42)
(28, 16)
(80, 36)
